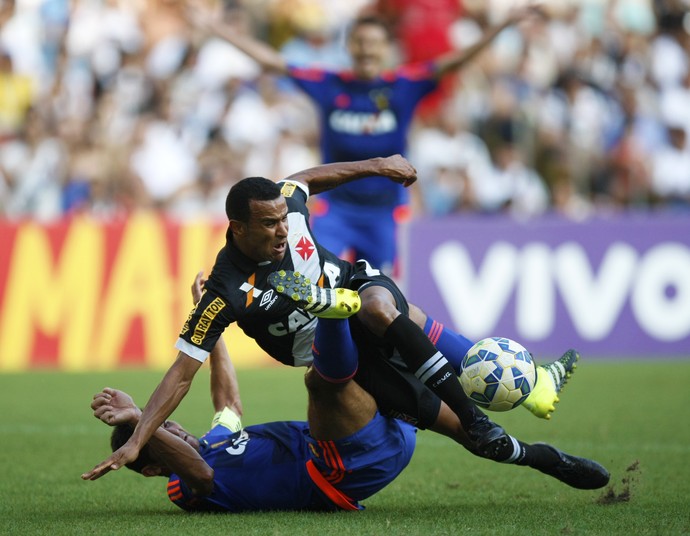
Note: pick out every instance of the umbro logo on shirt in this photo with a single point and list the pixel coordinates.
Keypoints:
(266, 298)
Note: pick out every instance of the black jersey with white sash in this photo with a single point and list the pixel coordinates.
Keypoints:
(237, 290)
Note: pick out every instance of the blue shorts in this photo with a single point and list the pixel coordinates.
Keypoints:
(365, 462)
(344, 230)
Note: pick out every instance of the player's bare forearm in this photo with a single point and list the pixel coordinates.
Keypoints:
(162, 403)
(456, 60)
(183, 460)
(261, 53)
(328, 176)
(225, 389)
(211, 23)
(166, 397)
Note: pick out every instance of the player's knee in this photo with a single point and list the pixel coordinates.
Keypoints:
(318, 386)
(417, 316)
(311, 379)
(378, 309)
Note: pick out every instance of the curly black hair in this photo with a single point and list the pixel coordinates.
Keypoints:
(249, 189)
(120, 436)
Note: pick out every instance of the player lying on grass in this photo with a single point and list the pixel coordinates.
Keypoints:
(269, 230)
(344, 453)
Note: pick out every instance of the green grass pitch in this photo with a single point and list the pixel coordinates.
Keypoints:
(633, 417)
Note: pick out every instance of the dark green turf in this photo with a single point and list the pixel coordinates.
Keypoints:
(632, 417)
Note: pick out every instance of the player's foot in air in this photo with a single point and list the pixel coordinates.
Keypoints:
(579, 473)
(550, 380)
(321, 302)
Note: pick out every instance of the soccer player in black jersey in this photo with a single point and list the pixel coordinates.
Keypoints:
(346, 452)
(269, 231)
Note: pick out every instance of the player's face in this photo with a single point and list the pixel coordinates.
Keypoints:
(174, 428)
(264, 237)
(369, 48)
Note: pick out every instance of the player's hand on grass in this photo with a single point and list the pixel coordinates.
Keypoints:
(115, 407)
(125, 454)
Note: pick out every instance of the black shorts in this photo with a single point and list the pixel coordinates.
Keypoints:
(397, 391)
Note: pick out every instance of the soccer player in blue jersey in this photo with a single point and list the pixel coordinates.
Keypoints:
(364, 112)
(344, 453)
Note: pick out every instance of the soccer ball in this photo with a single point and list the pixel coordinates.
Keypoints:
(498, 374)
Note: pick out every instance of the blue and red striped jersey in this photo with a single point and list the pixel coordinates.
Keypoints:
(364, 119)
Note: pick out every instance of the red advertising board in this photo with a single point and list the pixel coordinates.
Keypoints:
(88, 295)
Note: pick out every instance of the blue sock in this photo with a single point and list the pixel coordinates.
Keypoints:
(452, 345)
(335, 355)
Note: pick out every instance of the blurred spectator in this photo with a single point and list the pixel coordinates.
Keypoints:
(313, 41)
(35, 164)
(16, 98)
(674, 103)
(205, 197)
(511, 186)
(162, 160)
(671, 170)
(107, 106)
(450, 161)
(624, 180)
(669, 50)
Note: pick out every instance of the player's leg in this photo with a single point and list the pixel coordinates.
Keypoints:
(355, 450)
(580, 473)
(381, 314)
(337, 406)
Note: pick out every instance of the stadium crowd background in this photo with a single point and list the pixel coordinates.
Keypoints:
(114, 106)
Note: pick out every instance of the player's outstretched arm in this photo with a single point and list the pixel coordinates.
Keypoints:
(328, 176)
(210, 22)
(181, 458)
(453, 61)
(162, 403)
(114, 407)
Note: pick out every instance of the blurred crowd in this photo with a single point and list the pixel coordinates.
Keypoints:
(113, 106)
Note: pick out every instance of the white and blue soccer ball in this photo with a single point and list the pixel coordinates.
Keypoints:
(498, 374)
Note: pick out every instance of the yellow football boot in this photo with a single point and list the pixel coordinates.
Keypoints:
(550, 380)
(320, 302)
